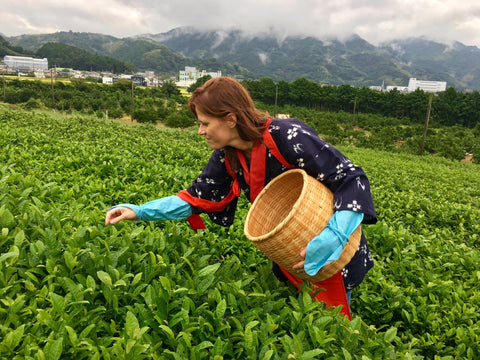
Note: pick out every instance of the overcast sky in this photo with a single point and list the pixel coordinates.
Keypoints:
(374, 20)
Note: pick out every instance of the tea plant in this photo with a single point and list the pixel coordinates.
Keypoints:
(72, 288)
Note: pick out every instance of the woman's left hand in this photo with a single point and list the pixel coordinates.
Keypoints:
(299, 266)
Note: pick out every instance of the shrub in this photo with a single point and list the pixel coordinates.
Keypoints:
(115, 112)
(180, 120)
(32, 104)
(146, 116)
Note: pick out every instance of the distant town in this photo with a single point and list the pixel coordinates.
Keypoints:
(39, 68)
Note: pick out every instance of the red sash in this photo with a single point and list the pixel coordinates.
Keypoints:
(332, 290)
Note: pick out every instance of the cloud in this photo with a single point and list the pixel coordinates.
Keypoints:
(374, 20)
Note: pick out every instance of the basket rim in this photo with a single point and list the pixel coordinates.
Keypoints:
(290, 215)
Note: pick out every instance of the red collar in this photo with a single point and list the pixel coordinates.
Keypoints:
(255, 175)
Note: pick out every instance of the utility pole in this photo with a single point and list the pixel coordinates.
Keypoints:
(131, 106)
(354, 108)
(53, 91)
(276, 96)
(426, 124)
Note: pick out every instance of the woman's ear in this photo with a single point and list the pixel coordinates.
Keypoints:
(231, 120)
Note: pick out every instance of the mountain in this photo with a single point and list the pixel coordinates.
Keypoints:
(91, 42)
(457, 63)
(62, 55)
(353, 61)
(7, 49)
(143, 53)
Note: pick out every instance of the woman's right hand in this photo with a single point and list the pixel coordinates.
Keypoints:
(118, 214)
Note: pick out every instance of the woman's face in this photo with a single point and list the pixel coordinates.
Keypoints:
(217, 131)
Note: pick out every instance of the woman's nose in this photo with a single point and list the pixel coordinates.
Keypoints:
(201, 130)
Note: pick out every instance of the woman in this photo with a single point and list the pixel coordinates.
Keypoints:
(249, 151)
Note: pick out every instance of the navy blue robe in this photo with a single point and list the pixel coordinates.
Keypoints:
(300, 146)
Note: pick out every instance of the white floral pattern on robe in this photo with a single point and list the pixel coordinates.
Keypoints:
(300, 145)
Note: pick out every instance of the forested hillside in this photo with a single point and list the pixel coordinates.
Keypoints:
(8, 49)
(61, 55)
(67, 56)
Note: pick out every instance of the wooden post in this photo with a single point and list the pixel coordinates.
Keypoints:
(276, 96)
(4, 93)
(53, 91)
(354, 108)
(422, 148)
(131, 106)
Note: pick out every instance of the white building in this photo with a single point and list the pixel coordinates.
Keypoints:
(428, 86)
(190, 75)
(22, 63)
(107, 80)
(402, 89)
(40, 74)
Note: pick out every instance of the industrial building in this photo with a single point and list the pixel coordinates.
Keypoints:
(21, 63)
(414, 84)
(427, 86)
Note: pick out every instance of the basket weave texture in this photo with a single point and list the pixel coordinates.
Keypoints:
(287, 214)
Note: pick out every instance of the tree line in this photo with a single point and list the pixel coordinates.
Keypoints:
(389, 121)
(449, 107)
(121, 99)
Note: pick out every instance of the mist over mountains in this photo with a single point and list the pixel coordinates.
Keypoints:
(352, 61)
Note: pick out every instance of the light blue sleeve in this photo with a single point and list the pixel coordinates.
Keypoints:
(167, 208)
(328, 246)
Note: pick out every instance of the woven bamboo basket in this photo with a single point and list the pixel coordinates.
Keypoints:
(288, 213)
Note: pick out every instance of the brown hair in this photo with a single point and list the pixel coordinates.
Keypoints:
(221, 96)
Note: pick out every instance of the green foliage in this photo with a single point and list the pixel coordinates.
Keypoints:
(84, 96)
(371, 130)
(148, 115)
(387, 133)
(170, 89)
(198, 83)
(32, 104)
(8, 49)
(74, 288)
(449, 107)
(63, 55)
(147, 55)
(180, 119)
(115, 112)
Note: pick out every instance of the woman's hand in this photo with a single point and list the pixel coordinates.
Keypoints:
(299, 266)
(118, 214)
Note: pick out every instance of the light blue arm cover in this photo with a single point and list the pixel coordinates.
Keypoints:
(167, 208)
(328, 246)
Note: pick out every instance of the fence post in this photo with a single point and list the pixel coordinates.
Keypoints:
(426, 124)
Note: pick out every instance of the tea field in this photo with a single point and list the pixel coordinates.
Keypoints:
(73, 288)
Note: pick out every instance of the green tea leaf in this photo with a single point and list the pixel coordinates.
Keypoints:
(72, 335)
(312, 354)
(6, 218)
(390, 334)
(53, 350)
(131, 325)
(203, 345)
(19, 238)
(105, 278)
(13, 338)
(208, 270)
(221, 308)
(58, 302)
(14, 252)
(346, 354)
